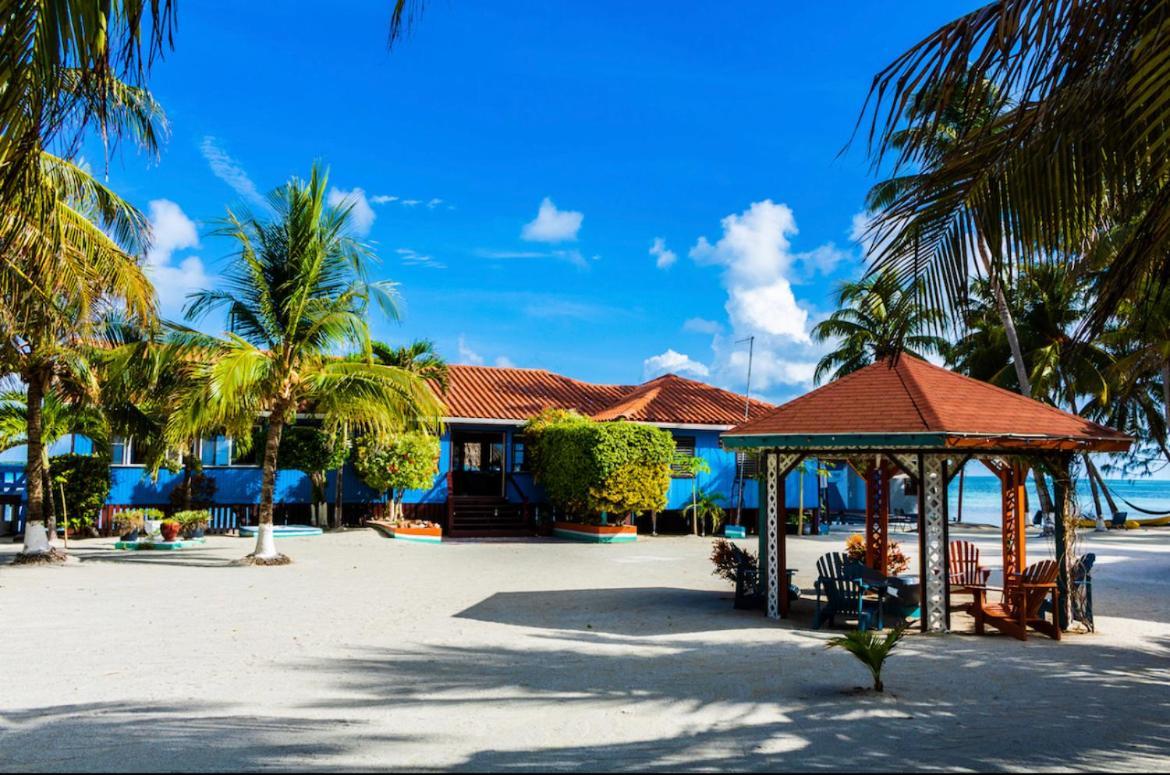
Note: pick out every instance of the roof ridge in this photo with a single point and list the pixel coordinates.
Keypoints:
(902, 378)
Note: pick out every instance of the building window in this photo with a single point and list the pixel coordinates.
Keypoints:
(684, 448)
(118, 451)
(519, 453)
(221, 451)
(747, 465)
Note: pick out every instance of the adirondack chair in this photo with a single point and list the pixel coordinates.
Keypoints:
(844, 594)
(1023, 595)
(748, 594)
(1082, 592)
(966, 572)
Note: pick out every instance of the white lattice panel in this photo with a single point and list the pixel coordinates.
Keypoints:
(934, 546)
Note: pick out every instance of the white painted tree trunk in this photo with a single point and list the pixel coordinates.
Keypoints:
(265, 542)
(36, 538)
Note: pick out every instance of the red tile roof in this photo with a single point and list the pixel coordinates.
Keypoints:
(913, 396)
(491, 393)
(670, 398)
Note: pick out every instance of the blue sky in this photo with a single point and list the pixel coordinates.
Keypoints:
(607, 190)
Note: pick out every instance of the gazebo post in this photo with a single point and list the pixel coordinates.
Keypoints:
(1062, 484)
(932, 546)
(877, 515)
(773, 560)
(1013, 491)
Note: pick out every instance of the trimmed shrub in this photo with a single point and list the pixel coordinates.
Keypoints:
(589, 467)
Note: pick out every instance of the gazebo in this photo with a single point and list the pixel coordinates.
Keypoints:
(906, 415)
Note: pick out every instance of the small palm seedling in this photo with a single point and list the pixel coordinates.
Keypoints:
(871, 648)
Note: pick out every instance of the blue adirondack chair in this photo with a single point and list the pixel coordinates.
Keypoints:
(841, 583)
(1082, 597)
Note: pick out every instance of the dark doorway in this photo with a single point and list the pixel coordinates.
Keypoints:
(477, 462)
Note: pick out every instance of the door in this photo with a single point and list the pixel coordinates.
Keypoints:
(477, 463)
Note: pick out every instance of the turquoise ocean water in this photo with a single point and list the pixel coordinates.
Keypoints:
(981, 497)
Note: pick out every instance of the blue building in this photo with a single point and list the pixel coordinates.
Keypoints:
(483, 486)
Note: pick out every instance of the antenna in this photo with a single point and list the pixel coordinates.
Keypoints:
(747, 407)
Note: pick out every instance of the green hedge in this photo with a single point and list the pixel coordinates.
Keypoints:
(589, 467)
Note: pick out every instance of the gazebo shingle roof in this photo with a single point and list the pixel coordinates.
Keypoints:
(911, 396)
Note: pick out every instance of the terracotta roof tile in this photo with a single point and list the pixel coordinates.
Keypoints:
(487, 392)
(913, 396)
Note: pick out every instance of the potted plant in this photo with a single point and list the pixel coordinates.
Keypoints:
(193, 522)
(706, 505)
(133, 523)
(170, 529)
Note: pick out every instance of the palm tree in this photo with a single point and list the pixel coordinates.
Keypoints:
(59, 419)
(419, 357)
(707, 504)
(50, 310)
(1079, 142)
(296, 297)
(878, 318)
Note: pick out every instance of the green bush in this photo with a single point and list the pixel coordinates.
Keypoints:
(86, 480)
(135, 519)
(589, 467)
(406, 461)
(192, 517)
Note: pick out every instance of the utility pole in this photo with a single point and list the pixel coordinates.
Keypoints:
(747, 408)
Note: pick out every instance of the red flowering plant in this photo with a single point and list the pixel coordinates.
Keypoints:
(896, 560)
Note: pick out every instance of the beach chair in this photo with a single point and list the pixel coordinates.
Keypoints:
(1119, 520)
(1082, 592)
(965, 572)
(1019, 609)
(840, 581)
(748, 594)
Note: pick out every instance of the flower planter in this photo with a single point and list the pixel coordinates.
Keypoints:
(734, 531)
(170, 531)
(595, 534)
(431, 534)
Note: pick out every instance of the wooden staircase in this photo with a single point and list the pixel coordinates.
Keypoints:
(476, 516)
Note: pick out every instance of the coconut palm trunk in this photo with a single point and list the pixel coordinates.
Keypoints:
(36, 536)
(1166, 390)
(265, 542)
(1021, 367)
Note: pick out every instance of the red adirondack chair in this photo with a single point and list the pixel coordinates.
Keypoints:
(966, 572)
(1023, 596)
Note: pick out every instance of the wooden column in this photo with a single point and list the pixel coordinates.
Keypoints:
(1062, 486)
(1013, 479)
(877, 516)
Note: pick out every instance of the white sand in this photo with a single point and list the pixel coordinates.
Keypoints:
(373, 654)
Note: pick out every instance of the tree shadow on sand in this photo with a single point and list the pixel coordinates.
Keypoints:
(157, 737)
(1039, 704)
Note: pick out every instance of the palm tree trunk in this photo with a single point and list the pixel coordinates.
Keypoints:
(1091, 468)
(1009, 329)
(36, 537)
(1096, 494)
(338, 499)
(50, 501)
(1166, 390)
(265, 543)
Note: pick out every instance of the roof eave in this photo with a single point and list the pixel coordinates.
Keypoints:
(925, 441)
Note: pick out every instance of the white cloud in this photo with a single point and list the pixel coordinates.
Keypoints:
(552, 225)
(572, 256)
(467, 355)
(411, 202)
(435, 202)
(361, 215)
(504, 362)
(227, 169)
(673, 362)
(172, 231)
(411, 257)
(755, 254)
(823, 260)
(383, 199)
(758, 265)
(665, 257)
(702, 326)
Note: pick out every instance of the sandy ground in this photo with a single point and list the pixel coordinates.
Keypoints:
(540, 655)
